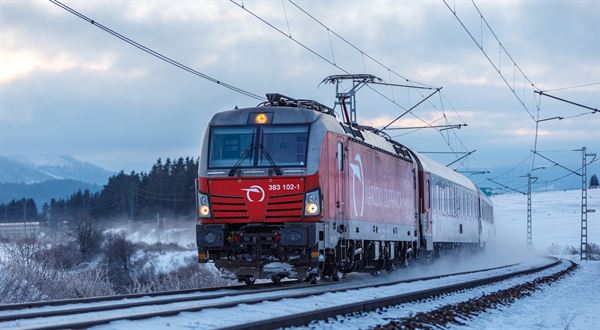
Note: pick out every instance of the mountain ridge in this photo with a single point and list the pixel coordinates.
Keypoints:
(47, 168)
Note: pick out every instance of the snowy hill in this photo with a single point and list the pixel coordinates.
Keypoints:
(35, 170)
(556, 219)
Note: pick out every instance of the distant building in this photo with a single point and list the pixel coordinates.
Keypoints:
(19, 229)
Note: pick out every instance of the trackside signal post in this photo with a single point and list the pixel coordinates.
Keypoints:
(584, 210)
(529, 234)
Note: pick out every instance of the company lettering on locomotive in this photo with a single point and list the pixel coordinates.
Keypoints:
(287, 190)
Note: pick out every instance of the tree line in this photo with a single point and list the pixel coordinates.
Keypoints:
(167, 189)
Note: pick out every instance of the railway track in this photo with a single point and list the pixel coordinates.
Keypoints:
(374, 304)
(38, 304)
(42, 316)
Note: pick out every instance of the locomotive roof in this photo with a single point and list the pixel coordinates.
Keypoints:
(286, 115)
(440, 170)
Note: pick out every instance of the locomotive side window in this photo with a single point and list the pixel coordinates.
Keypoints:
(230, 144)
(285, 145)
(340, 156)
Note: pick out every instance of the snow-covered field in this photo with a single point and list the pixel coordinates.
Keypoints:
(572, 303)
(556, 219)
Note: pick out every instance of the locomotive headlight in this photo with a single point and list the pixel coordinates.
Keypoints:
(203, 206)
(204, 211)
(311, 209)
(312, 203)
(261, 118)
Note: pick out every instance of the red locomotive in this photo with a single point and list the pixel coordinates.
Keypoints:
(287, 190)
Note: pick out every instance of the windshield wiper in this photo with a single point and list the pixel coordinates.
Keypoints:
(273, 164)
(239, 162)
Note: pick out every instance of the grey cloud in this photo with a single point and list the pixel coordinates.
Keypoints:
(124, 120)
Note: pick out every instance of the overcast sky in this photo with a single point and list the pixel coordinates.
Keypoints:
(69, 88)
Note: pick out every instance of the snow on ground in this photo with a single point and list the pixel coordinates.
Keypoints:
(180, 233)
(572, 303)
(165, 261)
(241, 314)
(556, 218)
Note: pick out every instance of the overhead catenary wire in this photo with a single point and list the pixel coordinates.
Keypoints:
(515, 65)
(157, 54)
(480, 46)
(356, 47)
(390, 71)
(571, 87)
(333, 63)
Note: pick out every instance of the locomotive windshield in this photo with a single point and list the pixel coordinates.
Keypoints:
(286, 145)
(258, 146)
(228, 145)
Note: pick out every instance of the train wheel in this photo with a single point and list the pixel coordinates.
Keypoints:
(390, 267)
(313, 278)
(337, 276)
(249, 280)
(276, 279)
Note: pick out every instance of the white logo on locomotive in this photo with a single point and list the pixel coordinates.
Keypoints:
(357, 172)
(255, 189)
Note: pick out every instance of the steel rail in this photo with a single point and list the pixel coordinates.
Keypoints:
(175, 311)
(60, 302)
(304, 318)
(133, 304)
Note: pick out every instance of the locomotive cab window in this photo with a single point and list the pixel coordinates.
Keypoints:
(258, 146)
(285, 145)
(230, 144)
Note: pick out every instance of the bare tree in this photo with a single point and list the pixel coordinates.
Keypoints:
(87, 235)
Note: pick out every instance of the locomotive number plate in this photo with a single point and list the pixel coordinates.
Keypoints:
(284, 187)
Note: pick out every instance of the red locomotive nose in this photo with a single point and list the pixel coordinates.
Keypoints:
(257, 199)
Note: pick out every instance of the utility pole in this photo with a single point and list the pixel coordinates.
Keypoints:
(584, 210)
(529, 231)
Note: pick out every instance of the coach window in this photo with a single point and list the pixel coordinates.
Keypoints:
(452, 202)
(456, 202)
(442, 199)
(340, 156)
(439, 197)
(436, 199)
(428, 194)
(446, 198)
(470, 206)
(464, 204)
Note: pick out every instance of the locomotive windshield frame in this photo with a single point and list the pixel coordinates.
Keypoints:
(259, 146)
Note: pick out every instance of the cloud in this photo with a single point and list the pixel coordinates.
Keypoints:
(528, 132)
(21, 63)
(77, 90)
